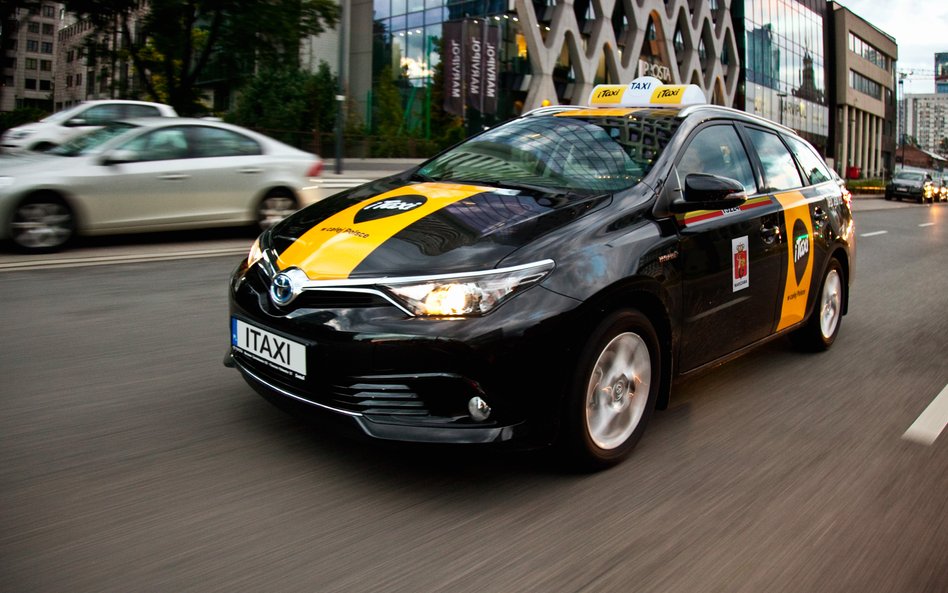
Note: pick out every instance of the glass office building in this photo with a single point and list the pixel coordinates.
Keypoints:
(784, 78)
(543, 51)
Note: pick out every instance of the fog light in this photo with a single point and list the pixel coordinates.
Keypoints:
(478, 409)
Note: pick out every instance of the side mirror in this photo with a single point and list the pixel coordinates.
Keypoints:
(117, 157)
(704, 191)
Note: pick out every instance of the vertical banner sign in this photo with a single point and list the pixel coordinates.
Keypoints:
(474, 46)
(491, 69)
(453, 67)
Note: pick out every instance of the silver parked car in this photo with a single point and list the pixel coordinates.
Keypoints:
(67, 124)
(153, 174)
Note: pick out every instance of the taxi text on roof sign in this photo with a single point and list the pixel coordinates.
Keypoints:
(646, 91)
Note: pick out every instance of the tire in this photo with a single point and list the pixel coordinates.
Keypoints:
(821, 329)
(274, 207)
(42, 146)
(41, 224)
(613, 393)
(888, 197)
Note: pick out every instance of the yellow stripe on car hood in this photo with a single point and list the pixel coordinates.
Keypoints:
(333, 248)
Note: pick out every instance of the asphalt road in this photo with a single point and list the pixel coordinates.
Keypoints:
(132, 460)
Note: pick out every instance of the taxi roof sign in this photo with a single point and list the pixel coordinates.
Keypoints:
(646, 91)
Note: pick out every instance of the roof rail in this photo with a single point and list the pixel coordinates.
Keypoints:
(732, 111)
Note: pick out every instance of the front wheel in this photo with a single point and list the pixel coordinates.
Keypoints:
(822, 327)
(614, 390)
(274, 207)
(41, 224)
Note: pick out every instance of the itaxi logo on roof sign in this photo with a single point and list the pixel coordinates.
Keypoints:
(646, 91)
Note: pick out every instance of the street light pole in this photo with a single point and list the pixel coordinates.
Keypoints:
(341, 94)
(903, 115)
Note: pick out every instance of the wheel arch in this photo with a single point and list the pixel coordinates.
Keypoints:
(645, 295)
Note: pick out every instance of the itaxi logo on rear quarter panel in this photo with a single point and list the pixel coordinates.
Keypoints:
(335, 246)
(796, 213)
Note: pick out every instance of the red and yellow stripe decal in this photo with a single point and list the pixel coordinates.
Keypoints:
(332, 249)
(702, 215)
(795, 293)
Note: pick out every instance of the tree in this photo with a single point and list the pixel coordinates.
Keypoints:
(177, 39)
(284, 101)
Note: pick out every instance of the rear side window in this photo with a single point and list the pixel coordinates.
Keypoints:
(215, 142)
(141, 111)
(780, 170)
(99, 115)
(813, 165)
(718, 150)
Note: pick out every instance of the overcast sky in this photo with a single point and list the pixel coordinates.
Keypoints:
(920, 27)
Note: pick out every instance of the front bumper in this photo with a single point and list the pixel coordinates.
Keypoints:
(396, 377)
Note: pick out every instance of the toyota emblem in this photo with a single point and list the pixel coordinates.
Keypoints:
(281, 289)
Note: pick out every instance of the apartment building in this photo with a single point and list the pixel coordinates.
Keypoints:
(29, 56)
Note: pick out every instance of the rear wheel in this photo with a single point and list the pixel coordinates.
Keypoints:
(614, 390)
(275, 206)
(822, 327)
(42, 223)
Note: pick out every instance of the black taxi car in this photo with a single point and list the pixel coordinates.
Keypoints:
(545, 282)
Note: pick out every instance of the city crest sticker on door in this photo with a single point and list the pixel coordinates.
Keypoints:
(740, 264)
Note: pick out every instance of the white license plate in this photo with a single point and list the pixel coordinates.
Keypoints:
(277, 351)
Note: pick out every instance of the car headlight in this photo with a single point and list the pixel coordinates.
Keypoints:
(459, 295)
(256, 253)
(20, 134)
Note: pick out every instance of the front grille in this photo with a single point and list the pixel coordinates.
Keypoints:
(337, 299)
(387, 399)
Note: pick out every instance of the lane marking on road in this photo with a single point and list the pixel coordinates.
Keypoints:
(105, 260)
(927, 224)
(932, 421)
(873, 234)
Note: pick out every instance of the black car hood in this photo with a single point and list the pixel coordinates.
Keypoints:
(390, 228)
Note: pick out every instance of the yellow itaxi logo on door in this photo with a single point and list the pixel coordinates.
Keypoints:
(799, 225)
(333, 248)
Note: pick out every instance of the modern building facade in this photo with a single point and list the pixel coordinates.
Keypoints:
(540, 51)
(29, 56)
(863, 134)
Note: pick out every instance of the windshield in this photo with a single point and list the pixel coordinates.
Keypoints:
(61, 116)
(579, 154)
(910, 176)
(90, 141)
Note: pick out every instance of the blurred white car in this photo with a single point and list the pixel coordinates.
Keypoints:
(69, 123)
(149, 175)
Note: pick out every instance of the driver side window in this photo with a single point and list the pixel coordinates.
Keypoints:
(159, 145)
(718, 150)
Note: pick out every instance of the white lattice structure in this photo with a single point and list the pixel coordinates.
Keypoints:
(695, 20)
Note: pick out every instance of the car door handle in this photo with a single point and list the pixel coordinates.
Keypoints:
(250, 170)
(770, 233)
(173, 176)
